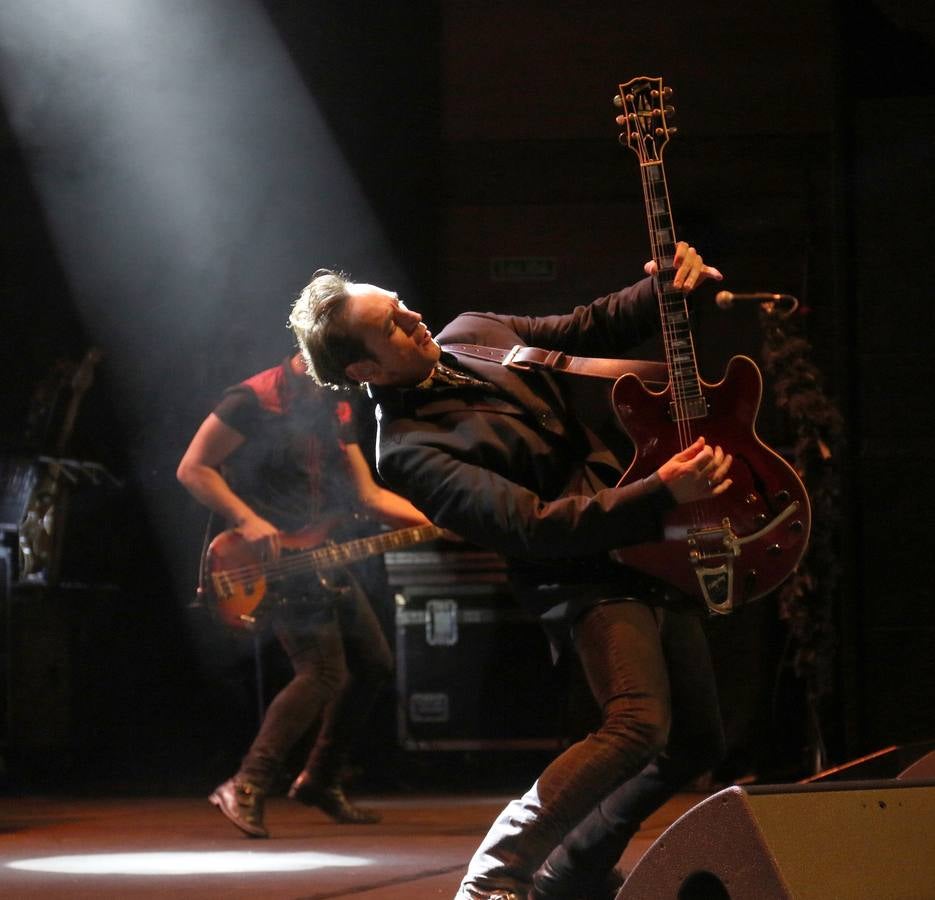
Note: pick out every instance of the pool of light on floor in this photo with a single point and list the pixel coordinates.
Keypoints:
(188, 863)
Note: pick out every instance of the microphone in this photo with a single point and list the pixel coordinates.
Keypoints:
(725, 299)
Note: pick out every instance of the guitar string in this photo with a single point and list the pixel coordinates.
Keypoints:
(663, 273)
(326, 557)
(658, 211)
(655, 222)
(293, 564)
(682, 387)
(323, 556)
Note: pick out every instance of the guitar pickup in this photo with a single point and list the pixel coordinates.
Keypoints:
(693, 408)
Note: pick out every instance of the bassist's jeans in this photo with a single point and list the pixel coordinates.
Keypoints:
(341, 662)
(650, 671)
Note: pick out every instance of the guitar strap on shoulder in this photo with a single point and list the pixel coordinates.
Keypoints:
(654, 374)
(588, 394)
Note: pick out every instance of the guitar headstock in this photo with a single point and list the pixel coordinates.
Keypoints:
(643, 102)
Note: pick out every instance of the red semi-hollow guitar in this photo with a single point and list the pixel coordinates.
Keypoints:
(740, 545)
(242, 581)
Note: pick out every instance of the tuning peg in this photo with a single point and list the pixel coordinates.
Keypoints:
(670, 111)
(618, 100)
(666, 93)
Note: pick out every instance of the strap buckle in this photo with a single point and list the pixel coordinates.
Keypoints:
(528, 358)
(508, 362)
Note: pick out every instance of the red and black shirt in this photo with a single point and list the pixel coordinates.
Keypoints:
(292, 468)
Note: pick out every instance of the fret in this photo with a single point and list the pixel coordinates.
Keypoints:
(334, 554)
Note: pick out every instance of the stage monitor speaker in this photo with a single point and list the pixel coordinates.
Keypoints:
(921, 768)
(842, 841)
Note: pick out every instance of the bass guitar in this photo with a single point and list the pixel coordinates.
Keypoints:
(242, 582)
(741, 544)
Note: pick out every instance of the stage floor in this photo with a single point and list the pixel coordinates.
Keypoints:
(52, 846)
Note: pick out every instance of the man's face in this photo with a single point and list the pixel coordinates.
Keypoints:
(402, 350)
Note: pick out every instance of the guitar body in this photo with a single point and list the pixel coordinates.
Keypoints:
(741, 544)
(239, 577)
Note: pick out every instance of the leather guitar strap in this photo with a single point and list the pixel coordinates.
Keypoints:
(654, 374)
(589, 394)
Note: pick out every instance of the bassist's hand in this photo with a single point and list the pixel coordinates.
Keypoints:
(690, 269)
(697, 472)
(256, 529)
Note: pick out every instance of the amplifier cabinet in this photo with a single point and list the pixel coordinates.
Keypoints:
(473, 671)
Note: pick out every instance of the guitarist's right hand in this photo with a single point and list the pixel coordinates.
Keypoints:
(255, 529)
(697, 472)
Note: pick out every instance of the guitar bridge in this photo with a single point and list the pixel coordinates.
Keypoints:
(712, 552)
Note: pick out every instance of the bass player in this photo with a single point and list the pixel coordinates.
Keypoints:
(277, 454)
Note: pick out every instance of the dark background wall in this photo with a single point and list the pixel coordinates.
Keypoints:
(479, 131)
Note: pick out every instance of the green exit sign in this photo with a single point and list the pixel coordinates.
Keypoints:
(523, 268)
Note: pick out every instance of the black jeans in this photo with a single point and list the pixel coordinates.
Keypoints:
(650, 671)
(341, 661)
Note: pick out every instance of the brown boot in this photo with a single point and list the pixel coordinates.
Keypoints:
(242, 803)
(332, 801)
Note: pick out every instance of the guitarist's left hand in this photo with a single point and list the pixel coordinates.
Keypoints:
(690, 268)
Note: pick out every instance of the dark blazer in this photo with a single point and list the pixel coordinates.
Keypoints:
(503, 464)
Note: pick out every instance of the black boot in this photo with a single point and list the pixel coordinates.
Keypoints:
(331, 800)
(546, 886)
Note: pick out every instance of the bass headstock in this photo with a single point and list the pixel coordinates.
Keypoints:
(646, 114)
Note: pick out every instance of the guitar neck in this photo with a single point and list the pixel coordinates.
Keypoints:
(646, 112)
(673, 307)
(352, 551)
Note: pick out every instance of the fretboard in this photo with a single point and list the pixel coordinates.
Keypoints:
(338, 554)
(688, 402)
